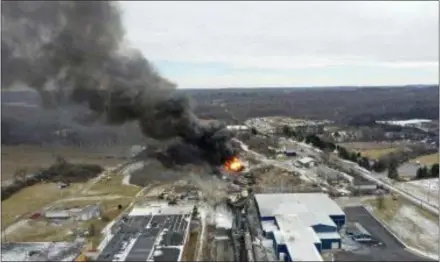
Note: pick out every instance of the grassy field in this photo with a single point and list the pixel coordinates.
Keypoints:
(41, 231)
(372, 150)
(113, 186)
(33, 198)
(106, 205)
(362, 146)
(427, 159)
(389, 208)
(32, 157)
(377, 153)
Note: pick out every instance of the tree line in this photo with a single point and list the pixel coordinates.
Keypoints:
(425, 172)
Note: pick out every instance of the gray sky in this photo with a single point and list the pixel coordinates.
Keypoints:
(218, 44)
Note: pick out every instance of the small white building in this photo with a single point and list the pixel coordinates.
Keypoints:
(57, 214)
(83, 214)
(87, 213)
(237, 127)
(307, 162)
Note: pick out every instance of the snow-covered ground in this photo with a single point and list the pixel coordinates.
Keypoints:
(223, 217)
(406, 122)
(130, 169)
(14, 227)
(204, 212)
(51, 251)
(427, 190)
(416, 230)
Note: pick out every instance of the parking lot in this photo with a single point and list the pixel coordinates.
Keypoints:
(390, 249)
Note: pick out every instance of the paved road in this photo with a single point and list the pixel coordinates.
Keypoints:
(392, 250)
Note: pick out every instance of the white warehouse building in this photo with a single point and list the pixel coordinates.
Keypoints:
(301, 225)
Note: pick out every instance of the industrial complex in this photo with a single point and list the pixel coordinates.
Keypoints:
(300, 225)
(152, 233)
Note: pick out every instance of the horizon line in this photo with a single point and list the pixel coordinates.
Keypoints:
(311, 87)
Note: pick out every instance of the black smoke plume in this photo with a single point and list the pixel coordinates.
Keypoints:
(75, 49)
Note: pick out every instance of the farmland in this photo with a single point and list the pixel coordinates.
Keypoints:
(31, 199)
(427, 159)
(377, 153)
(31, 158)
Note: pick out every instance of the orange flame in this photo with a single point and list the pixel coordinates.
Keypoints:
(234, 165)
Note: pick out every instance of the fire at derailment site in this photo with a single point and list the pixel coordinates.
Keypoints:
(164, 131)
(234, 165)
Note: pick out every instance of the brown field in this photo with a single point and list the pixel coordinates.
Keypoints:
(41, 231)
(427, 159)
(113, 186)
(32, 157)
(32, 199)
(363, 146)
(377, 153)
(373, 150)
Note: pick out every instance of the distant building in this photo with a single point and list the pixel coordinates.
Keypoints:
(310, 129)
(290, 152)
(307, 162)
(84, 214)
(57, 214)
(87, 213)
(237, 127)
(363, 186)
(417, 123)
(300, 225)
